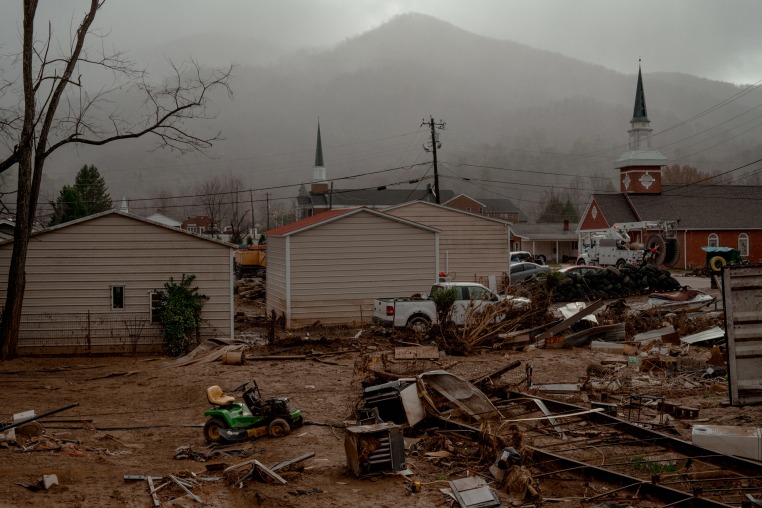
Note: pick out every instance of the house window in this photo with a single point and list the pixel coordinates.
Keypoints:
(117, 297)
(575, 245)
(743, 244)
(191, 228)
(468, 209)
(516, 246)
(481, 210)
(202, 229)
(154, 302)
(713, 241)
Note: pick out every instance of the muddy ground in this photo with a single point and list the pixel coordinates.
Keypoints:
(134, 413)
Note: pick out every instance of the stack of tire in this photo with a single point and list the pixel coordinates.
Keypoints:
(613, 282)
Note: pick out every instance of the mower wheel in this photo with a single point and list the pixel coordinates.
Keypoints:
(212, 430)
(278, 428)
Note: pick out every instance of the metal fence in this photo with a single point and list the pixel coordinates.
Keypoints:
(88, 333)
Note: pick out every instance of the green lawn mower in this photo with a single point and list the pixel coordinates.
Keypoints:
(231, 421)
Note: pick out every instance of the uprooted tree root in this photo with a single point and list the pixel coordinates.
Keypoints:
(483, 325)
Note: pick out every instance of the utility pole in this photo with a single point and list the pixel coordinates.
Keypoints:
(267, 199)
(434, 145)
(251, 208)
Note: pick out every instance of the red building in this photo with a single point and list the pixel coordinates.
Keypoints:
(200, 224)
(713, 215)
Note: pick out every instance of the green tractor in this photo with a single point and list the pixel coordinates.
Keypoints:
(231, 421)
(717, 257)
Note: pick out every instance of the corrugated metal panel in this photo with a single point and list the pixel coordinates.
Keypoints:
(742, 292)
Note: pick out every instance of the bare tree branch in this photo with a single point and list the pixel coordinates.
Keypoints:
(55, 109)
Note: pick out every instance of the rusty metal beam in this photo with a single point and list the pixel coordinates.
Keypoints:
(655, 491)
(735, 464)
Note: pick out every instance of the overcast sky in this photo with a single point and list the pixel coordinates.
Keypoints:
(708, 38)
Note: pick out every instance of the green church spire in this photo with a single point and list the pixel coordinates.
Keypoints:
(319, 150)
(639, 114)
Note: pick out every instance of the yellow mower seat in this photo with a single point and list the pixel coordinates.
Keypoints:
(215, 396)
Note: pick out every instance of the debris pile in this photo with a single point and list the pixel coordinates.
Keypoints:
(250, 288)
(609, 283)
(495, 443)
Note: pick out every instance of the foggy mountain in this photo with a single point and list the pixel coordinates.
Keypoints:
(521, 111)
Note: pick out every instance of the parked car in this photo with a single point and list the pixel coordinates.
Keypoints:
(420, 313)
(523, 271)
(581, 269)
(520, 256)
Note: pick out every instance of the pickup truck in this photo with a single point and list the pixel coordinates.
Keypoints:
(419, 314)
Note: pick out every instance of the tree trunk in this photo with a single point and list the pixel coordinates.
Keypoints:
(14, 296)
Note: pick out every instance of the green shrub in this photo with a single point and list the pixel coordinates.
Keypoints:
(444, 298)
(179, 312)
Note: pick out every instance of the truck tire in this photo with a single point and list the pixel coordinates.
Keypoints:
(419, 324)
(540, 260)
(581, 261)
(620, 263)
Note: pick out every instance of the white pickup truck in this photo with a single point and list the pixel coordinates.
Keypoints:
(420, 313)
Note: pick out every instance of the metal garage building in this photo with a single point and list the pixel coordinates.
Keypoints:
(90, 283)
(472, 247)
(330, 267)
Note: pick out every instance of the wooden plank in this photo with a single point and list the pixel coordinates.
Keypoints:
(269, 472)
(187, 491)
(152, 490)
(566, 323)
(416, 353)
(496, 373)
(286, 463)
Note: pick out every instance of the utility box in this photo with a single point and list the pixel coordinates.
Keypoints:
(743, 442)
(374, 449)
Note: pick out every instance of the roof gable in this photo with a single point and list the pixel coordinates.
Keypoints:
(448, 209)
(372, 197)
(100, 215)
(329, 216)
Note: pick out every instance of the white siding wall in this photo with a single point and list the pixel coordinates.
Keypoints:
(475, 246)
(276, 274)
(337, 269)
(70, 272)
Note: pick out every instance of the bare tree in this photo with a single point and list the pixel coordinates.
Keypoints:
(54, 110)
(212, 196)
(219, 196)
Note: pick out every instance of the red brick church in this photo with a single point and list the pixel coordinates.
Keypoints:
(706, 215)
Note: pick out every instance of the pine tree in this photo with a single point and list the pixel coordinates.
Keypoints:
(68, 206)
(92, 189)
(87, 196)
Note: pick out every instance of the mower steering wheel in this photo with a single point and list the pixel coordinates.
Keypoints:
(242, 387)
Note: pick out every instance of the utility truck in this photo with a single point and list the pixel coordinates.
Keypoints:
(622, 244)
